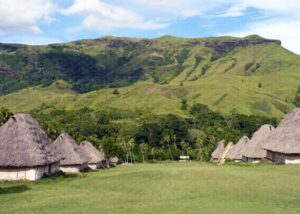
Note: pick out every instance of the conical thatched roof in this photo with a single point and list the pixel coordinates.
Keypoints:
(217, 154)
(94, 155)
(235, 152)
(23, 143)
(254, 148)
(69, 152)
(286, 137)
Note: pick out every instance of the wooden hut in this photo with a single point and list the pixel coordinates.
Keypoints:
(72, 158)
(96, 157)
(235, 152)
(283, 146)
(253, 150)
(26, 152)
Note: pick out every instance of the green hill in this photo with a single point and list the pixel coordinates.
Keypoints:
(250, 75)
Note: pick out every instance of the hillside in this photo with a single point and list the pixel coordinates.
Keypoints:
(251, 75)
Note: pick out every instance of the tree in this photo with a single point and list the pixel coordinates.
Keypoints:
(5, 114)
(167, 139)
(116, 91)
(154, 152)
(260, 85)
(131, 144)
(184, 104)
(144, 148)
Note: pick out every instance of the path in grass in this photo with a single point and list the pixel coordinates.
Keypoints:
(161, 188)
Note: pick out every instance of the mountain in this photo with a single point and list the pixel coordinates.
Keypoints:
(250, 75)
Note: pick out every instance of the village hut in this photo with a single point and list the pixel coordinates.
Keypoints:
(216, 156)
(114, 161)
(96, 157)
(26, 152)
(283, 146)
(253, 150)
(72, 158)
(225, 152)
(235, 152)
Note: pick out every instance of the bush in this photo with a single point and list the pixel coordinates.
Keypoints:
(116, 91)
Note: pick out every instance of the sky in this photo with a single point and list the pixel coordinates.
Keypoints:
(41, 22)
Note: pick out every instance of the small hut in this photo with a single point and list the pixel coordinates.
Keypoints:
(235, 152)
(253, 150)
(283, 146)
(72, 158)
(216, 156)
(26, 152)
(96, 157)
(114, 161)
(225, 152)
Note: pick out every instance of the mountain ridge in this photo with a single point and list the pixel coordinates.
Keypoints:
(217, 71)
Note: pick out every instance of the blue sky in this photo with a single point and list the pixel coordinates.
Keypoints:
(53, 21)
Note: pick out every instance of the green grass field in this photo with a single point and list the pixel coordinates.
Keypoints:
(161, 188)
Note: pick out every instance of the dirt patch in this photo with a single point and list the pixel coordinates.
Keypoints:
(167, 92)
(150, 90)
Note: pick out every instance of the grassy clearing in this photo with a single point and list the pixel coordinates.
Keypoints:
(161, 188)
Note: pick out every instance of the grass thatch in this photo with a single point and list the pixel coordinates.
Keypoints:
(95, 156)
(69, 152)
(23, 143)
(254, 149)
(286, 138)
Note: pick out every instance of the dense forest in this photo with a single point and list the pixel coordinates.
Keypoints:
(138, 136)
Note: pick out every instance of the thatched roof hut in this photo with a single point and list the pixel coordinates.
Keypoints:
(235, 152)
(96, 157)
(25, 146)
(253, 151)
(73, 159)
(284, 143)
(218, 152)
(114, 161)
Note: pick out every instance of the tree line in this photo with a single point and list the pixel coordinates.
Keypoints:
(141, 136)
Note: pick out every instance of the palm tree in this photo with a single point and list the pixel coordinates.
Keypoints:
(143, 149)
(131, 144)
(167, 139)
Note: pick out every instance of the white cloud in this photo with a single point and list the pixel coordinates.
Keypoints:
(287, 31)
(104, 17)
(24, 16)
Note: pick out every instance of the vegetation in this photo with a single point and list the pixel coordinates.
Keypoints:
(149, 73)
(161, 188)
(297, 98)
(139, 136)
(5, 114)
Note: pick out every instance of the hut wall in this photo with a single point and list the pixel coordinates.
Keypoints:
(31, 174)
(94, 166)
(251, 160)
(54, 168)
(74, 168)
(283, 158)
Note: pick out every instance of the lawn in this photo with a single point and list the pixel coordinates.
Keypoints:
(161, 188)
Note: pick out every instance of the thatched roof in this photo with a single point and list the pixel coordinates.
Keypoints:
(286, 137)
(94, 155)
(69, 152)
(254, 148)
(23, 143)
(235, 152)
(217, 154)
